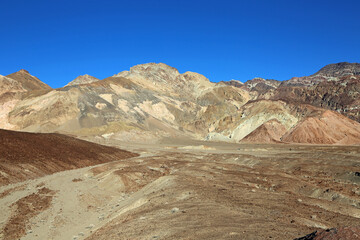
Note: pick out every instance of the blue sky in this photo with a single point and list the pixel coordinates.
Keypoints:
(277, 39)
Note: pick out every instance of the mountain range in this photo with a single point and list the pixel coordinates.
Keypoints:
(152, 101)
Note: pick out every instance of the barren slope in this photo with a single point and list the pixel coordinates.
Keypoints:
(329, 128)
(269, 132)
(28, 155)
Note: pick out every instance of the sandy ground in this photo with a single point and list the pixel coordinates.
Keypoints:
(191, 190)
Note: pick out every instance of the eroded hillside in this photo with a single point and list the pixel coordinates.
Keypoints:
(152, 101)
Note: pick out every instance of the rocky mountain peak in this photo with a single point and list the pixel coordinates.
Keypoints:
(23, 71)
(339, 70)
(331, 72)
(83, 79)
(156, 72)
(152, 67)
(28, 81)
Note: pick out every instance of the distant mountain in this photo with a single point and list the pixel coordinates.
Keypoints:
(152, 101)
(27, 81)
(338, 70)
(331, 72)
(83, 79)
(342, 95)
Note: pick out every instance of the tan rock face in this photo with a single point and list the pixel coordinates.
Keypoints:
(10, 85)
(158, 101)
(45, 113)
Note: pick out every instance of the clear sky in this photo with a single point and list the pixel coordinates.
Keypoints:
(57, 40)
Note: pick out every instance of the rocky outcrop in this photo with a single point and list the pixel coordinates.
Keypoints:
(261, 84)
(331, 72)
(234, 83)
(345, 233)
(342, 96)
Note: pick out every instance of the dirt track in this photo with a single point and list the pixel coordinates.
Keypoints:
(220, 192)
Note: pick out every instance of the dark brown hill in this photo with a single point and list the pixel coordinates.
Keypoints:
(30, 155)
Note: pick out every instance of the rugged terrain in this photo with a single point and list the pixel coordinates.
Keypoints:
(227, 160)
(152, 101)
(189, 189)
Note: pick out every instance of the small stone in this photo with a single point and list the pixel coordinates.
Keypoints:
(174, 210)
(90, 226)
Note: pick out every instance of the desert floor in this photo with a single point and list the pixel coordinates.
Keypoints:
(191, 190)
